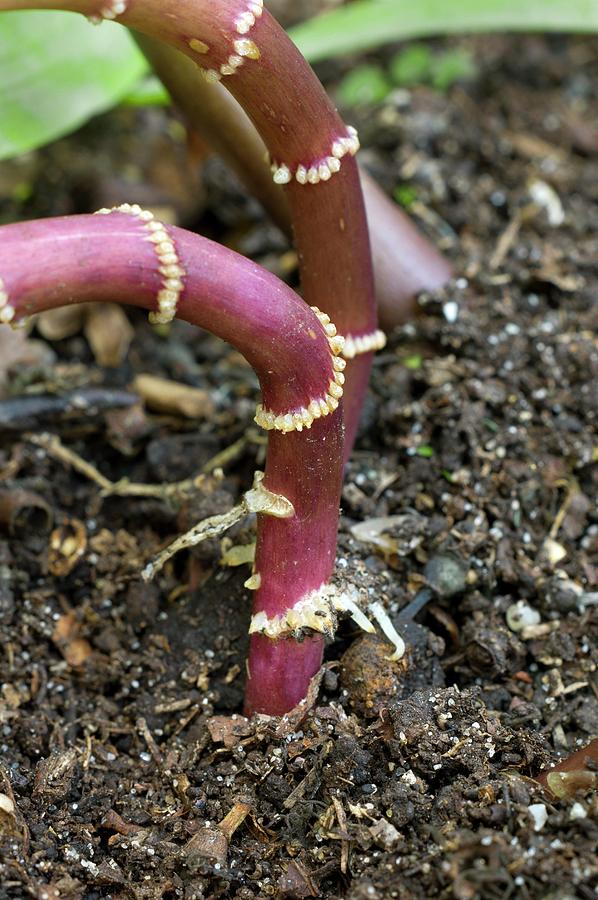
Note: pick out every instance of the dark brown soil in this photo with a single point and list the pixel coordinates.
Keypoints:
(122, 743)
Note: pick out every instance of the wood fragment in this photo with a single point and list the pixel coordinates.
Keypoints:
(310, 784)
(342, 822)
(173, 398)
(54, 776)
(109, 333)
(572, 489)
(114, 822)
(172, 706)
(505, 242)
(67, 637)
(32, 412)
(153, 748)
(228, 730)
(186, 720)
(298, 881)
(207, 843)
(178, 490)
(62, 323)
(234, 819)
(291, 721)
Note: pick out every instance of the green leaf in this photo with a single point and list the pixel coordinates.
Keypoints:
(370, 23)
(410, 66)
(450, 67)
(413, 362)
(56, 71)
(366, 84)
(405, 195)
(425, 450)
(417, 64)
(148, 92)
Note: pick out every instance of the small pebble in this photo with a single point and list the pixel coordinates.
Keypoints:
(577, 811)
(451, 311)
(6, 804)
(539, 815)
(519, 616)
(446, 574)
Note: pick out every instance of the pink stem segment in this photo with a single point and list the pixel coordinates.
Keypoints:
(239, 43)
(129, 258)
(405, 262)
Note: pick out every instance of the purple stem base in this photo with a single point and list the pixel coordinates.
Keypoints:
(279, 673)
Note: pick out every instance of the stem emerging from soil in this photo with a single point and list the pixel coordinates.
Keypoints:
(53, 262)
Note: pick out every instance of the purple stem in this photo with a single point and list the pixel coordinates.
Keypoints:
(239, 42)
(405, 262)
(55, 262)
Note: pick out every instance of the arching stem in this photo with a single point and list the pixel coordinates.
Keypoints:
(405, 262)
(312, 150)
(127, 257)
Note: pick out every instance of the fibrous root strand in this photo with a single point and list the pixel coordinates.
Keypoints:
(256, 500)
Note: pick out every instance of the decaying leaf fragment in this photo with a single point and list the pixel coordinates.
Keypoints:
(173, 398)
(66, 635)
(68, 543)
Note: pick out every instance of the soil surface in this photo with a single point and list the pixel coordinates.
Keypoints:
(127, 768)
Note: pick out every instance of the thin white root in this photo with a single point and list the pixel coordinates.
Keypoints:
(381, 617)
(344, 603)
(257, 500)
(317, 611)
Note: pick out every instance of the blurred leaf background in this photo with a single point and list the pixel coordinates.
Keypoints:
(57, 71)
(367, 24)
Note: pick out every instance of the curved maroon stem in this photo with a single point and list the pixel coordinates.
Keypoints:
(55, 262)
(405, 262)
(213, 112)
(299, 125)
